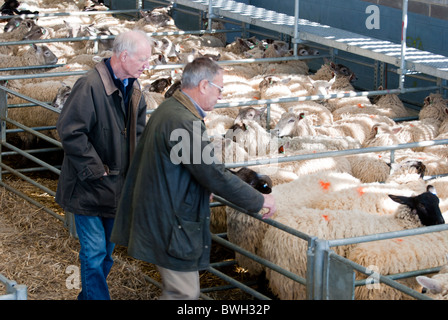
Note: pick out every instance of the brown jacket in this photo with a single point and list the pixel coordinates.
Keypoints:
(97, 136)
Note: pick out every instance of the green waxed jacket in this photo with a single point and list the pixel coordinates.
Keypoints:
(163, 216)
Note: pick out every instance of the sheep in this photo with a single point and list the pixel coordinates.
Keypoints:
(35, 33)
(260, 182)
(291, 145)
(392, 102)
(12, 24)
(217, 25)
(292, 124)
(434, 107)
(299, 124)
(332, 224)
(253, 138)
(35, 55)
(45, 91)
(22, 27)
(158, 17)
(369, 167)
(410, 131)
(218, 124)
(61, 96)
(26, 30)
(398, 255)
(329, 69)
(152, 99)
(318, 113)
(387, 105)
(441, 149)
(241, 45)
(341, 190)
(382, 135)
(437, 286)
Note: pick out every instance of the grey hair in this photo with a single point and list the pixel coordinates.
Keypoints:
(199, 69)
(130, 41)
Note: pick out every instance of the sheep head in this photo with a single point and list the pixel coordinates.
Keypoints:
(259, 182)
(425, 206)
(250, 113)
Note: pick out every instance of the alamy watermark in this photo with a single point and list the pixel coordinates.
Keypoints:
(237, 145)
(373, 20)
(73, 281)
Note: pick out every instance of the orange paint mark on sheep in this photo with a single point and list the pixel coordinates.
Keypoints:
(398, 240)
(326, 217)
(361, 191)
(324, 185)
(360, 105)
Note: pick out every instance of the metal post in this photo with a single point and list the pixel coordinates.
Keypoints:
(210, 15)
(3, 114)
(296, 26)
(404, 27)
(319, 265)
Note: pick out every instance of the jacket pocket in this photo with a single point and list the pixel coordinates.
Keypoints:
(186, 240)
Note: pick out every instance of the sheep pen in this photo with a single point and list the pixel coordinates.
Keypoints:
(328, 122)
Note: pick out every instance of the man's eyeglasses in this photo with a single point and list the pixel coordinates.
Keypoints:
(216, 86)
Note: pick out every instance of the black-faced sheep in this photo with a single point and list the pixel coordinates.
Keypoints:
(414, 212)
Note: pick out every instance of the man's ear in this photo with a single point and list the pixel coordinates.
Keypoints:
(203, 86)
(123, 56)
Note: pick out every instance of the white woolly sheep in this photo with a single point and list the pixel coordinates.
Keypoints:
(398, 255)
(392, 102)
(45, 91)
(34, 56)
(434, 107)
(330, 224)
(437, 286)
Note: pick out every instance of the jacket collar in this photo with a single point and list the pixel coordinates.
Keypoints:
(187, 103)
(110, 87)
(106, 78)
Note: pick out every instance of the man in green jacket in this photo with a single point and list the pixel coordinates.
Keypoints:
(164, 212)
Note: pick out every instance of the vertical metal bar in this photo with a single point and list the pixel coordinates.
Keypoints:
(319, 264)
(268, 117)
(404, 27)
(296, 25)
(3, 114)
(310, 267)
(210, 14)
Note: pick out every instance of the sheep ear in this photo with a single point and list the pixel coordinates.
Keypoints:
(401, 199)
(432, 189)
(396, 130)
(430, 284)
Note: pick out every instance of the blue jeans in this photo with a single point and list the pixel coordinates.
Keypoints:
(95, 255)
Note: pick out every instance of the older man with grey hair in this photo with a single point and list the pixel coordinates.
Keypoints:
(99, 127)
(164, 212)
